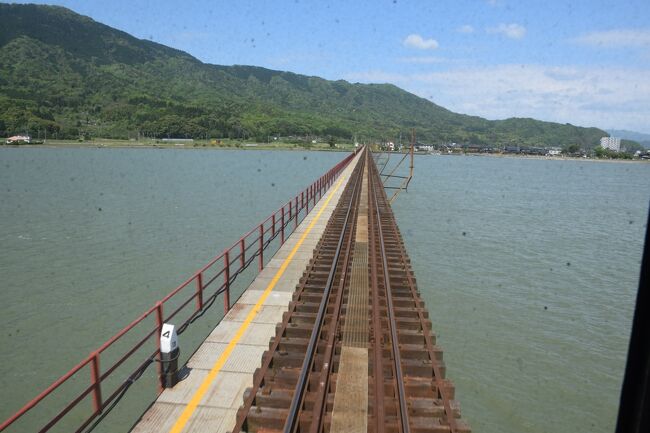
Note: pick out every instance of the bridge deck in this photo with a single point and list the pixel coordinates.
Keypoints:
(222, 368)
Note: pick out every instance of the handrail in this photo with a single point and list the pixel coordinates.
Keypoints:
(233, 261)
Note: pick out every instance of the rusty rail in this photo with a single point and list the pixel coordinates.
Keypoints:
(308, 365)
(390, 312)
(227, 266)
(296, 387)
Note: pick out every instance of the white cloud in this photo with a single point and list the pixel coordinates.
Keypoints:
(587, 96)
(465, 29)
(616, 38)
(513, 31)
(417, 41)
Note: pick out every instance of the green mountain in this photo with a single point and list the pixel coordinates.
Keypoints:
(68, 74)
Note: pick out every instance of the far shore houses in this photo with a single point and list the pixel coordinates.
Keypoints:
(18, 139)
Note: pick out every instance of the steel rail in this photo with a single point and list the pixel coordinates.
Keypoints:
(291, 423)
(378, 361)
(427, 336)
(259, 376)
(391, 319)
(328, 364)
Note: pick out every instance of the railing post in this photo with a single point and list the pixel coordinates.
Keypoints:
(297, 212)
(261, 264)
(226, 277)
(307, 202)
(290, 210)
(282, 228)
(242, 256)
(159, 324)
(199, 291)
(273, 229)
(96, 383)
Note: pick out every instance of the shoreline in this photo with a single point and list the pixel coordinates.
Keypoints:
(124, 144)
(542, 158)
(565, 158)
(231, 146)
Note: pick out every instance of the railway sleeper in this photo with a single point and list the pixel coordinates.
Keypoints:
(428, 425)
(406, 302)
(414, 336)
(295, 330)
(428, 387)
(411, 312)
(413, 353)
(292, 360)
(284, 378)
(321, 266)
(391, 425)
(264, 419)
(412, 323)
(419, 352)
(268, 419)
(409, 323)
(313, 287)
(390, 407)
(431, 408)
(299, 317)
(305, 305)
(309, 297)
(280, 399)
(421, 368)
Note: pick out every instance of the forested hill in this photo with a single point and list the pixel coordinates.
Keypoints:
(69, 74)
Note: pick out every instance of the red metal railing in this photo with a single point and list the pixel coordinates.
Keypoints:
(226, 266)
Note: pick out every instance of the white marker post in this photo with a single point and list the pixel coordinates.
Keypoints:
(169, 353)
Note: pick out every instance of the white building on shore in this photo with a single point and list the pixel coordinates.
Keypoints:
(611, 143)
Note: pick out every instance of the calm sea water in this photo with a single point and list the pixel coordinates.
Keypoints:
(91, 238)
(529, 267)
(530, 270)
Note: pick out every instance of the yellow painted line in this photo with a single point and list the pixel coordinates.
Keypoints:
(218, 365)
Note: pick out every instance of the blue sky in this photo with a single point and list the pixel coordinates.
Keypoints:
(580, 62)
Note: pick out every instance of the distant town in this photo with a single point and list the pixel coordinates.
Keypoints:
(610, 148)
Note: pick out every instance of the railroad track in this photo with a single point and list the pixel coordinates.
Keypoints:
(355, 351)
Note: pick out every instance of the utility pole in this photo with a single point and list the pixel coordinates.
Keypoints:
(412, 147)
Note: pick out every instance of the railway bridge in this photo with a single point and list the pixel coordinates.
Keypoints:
(330, 336)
